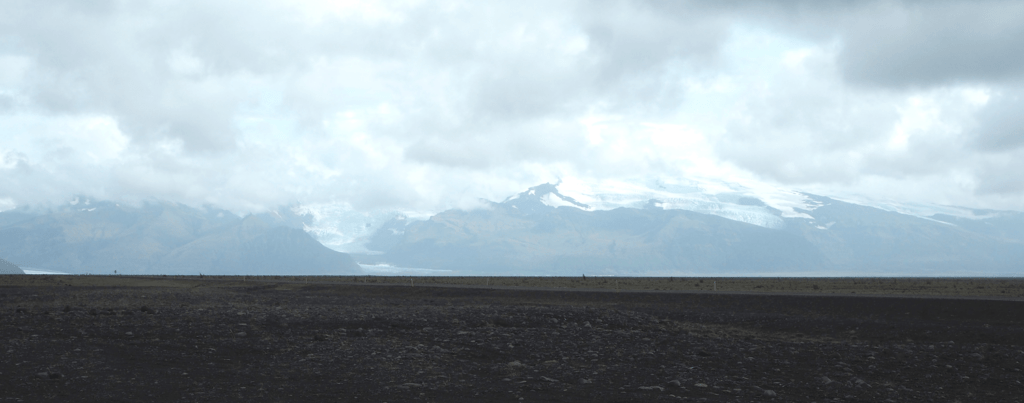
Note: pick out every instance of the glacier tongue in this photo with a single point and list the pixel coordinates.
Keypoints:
(340, 227)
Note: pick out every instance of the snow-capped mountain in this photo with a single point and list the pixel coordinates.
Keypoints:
(344, 229)
(701, 228)
(753, 203)
(643, 227)
(765, 207)
(340, 227)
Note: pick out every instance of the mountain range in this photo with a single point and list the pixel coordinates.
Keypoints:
(646, 228)
(543, 231)
(162, 238)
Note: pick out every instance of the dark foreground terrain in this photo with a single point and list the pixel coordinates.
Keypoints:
(109, 339)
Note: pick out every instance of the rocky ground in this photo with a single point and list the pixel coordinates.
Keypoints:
(188, 340)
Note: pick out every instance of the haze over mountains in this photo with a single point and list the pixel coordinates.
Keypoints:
(654, 228)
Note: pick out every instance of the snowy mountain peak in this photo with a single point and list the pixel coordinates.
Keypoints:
(765, 207)
(546, 195)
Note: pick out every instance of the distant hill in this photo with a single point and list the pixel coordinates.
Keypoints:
(164, 238)
(9, 268)
(544, 232)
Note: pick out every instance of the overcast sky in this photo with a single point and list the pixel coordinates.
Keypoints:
(426, 105)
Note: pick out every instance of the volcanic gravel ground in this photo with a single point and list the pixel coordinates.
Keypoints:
(280, 342)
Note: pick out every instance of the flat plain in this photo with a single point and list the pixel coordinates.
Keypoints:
(470, 339)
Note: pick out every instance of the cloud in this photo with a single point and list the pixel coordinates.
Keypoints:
(899, 44)
(249, 105)
(896, 44)
(889, 99)
(1001, 123)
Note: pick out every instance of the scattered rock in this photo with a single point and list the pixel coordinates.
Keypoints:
(546, 379)
(675, 383)
(241, 334)
(700, 385)
(770, 393)
(657, 388)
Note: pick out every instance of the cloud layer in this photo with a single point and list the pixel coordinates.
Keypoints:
(427, 105)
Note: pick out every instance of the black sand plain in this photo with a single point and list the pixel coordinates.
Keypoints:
(392, 339)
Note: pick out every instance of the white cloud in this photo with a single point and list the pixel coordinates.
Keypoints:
(427, 105)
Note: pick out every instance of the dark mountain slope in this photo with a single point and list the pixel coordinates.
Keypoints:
(255, 247)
